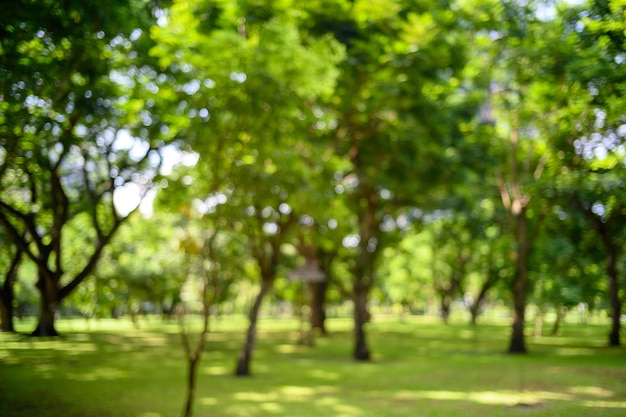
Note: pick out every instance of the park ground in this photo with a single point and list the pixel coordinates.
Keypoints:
(420, 367)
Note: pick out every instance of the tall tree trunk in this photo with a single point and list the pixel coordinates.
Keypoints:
(616, 303)
(245, 355)
(361, 317)
(317, 305)
(520, 284)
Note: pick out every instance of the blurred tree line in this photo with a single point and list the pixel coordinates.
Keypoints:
(419, 153)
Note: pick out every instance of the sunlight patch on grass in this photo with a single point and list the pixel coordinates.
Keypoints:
(55, 345)
(575, 351)
(299, 392)
(255, 396)
(215, 370)
(593, 391)
(338, 409)
(208, 401)
(154, 339)
(98, 375)
(326, 375)
(484, 397)
(285, 348)
(150, 415)
(605, 404)
(272, 407)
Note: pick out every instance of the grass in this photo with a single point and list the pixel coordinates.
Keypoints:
(419, 368)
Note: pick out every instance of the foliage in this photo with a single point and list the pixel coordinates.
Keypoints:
(369, 132)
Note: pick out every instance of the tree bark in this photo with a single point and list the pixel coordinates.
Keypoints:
(445, 307)
(7, 295)
(6, 315)
(317, 305)
(482, 295)
(520, 284)
(361, 317)
(560, 313)
(491, 279)
(48, 298)
(191, 385)
(245, 355)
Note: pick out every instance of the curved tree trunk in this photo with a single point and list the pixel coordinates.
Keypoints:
(245, 355)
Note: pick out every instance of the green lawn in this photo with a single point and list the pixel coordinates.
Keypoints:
(419, 368)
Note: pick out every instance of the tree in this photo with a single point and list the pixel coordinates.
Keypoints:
(525, 99)
(395, 117)
(71, 136)
(257, 95)
(212, 274)
(596, 159)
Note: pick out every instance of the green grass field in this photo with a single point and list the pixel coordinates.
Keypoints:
(419, 368)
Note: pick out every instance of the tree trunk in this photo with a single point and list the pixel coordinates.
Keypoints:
(7, 295)
(48, 298)
(245, 356)
(6, 315)
(616, 304)
(491, 279)
(520, 285)
(317, 304)
(560, 313)
(6, 307)
(478, 302)
(191, 384)
(361, 317)
(445, 308)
